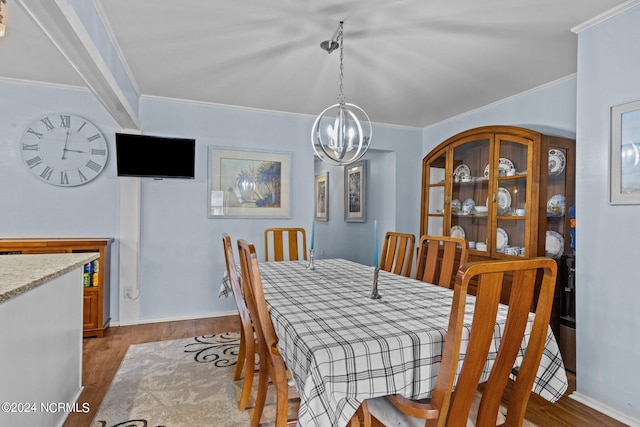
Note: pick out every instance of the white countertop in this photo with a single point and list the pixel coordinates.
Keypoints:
(20, 273)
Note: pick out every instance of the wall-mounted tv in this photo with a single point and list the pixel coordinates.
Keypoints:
(155, 156)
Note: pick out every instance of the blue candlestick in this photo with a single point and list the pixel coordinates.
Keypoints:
(313, 232)
(375, 243)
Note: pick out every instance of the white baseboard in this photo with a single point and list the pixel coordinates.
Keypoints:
(73, 400)
(605, 409)
(175, 319)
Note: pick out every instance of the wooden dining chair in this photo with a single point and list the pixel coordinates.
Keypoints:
(439, 258)
(248, 349)
(452, 408)
(272, 367)
(286, 243)
(397, 253)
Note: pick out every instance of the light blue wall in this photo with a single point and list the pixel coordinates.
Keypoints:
(181, 257)
(31, 208)
(181, 252)
(608, 348)
(550, 109)
(393, 196)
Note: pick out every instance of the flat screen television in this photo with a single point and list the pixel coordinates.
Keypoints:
(155, 156)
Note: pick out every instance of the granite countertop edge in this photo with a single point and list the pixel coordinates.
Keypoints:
(21, 273)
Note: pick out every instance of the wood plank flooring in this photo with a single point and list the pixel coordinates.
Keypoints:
(102, 358)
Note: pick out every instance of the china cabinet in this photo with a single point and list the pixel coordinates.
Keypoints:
(96, 301)
(506, 190)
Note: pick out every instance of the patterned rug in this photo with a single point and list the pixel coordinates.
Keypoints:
(183, 383)
(179, 383)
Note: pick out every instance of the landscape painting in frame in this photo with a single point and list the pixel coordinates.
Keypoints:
(355, 192)
(322, 197)
(624, 176)
(248, 184)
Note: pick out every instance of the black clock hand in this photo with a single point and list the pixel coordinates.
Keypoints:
(75, 151)
(66, 140)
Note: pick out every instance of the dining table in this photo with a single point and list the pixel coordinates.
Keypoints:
(343, 347)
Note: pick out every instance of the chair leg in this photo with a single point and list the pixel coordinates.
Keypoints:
(282, 394)
(261, 396)
(249, 372)
(241, 357)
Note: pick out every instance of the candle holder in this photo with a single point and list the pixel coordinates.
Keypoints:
(311, 266)
(374, 287)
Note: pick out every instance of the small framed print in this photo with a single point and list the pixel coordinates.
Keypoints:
(624, 154)
(321, 192)
(248, 184)
(355, 192)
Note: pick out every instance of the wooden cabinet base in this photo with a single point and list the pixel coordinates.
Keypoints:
(96, 311)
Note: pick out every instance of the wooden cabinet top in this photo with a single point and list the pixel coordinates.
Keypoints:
(54, 242)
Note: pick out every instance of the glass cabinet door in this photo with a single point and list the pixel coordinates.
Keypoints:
(510, 169)
(435, 173)
(470, 191)
(508, 191)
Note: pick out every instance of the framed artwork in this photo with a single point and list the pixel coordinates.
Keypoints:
(321, 193)
(355, 192)
(624, 154)
(248, 184)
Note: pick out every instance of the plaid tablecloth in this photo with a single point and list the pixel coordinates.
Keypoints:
(343, 347)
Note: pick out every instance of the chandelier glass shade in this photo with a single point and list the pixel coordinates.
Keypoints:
(341, 134)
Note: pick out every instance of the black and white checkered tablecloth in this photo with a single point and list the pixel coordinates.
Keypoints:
(343, 347)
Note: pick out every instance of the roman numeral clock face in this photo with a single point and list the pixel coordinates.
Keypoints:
(64, 150)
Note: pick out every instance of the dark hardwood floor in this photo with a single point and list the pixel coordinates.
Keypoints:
(102, 357)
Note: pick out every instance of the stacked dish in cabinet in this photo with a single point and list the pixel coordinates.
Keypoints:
(554, 241)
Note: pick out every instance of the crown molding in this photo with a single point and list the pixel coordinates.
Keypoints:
(604, 16)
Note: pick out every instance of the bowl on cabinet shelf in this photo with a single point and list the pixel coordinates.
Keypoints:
(481, 209)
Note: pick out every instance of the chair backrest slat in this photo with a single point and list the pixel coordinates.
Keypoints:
(256, 302)
(236, 287)
(397, 253)
(295, 248)
(439, 258)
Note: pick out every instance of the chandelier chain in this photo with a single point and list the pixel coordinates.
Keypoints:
(341, 38)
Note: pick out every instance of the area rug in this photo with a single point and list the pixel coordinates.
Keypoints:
(179, 383)
(183, 383)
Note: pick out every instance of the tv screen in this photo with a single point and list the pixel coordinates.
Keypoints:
(155, 156)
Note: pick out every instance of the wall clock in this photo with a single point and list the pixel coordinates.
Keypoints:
(64, 149)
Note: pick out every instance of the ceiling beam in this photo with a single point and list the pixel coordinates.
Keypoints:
(60, 23)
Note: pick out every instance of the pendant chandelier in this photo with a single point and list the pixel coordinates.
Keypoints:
(341, 134)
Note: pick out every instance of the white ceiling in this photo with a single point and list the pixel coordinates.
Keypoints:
(408, 62)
